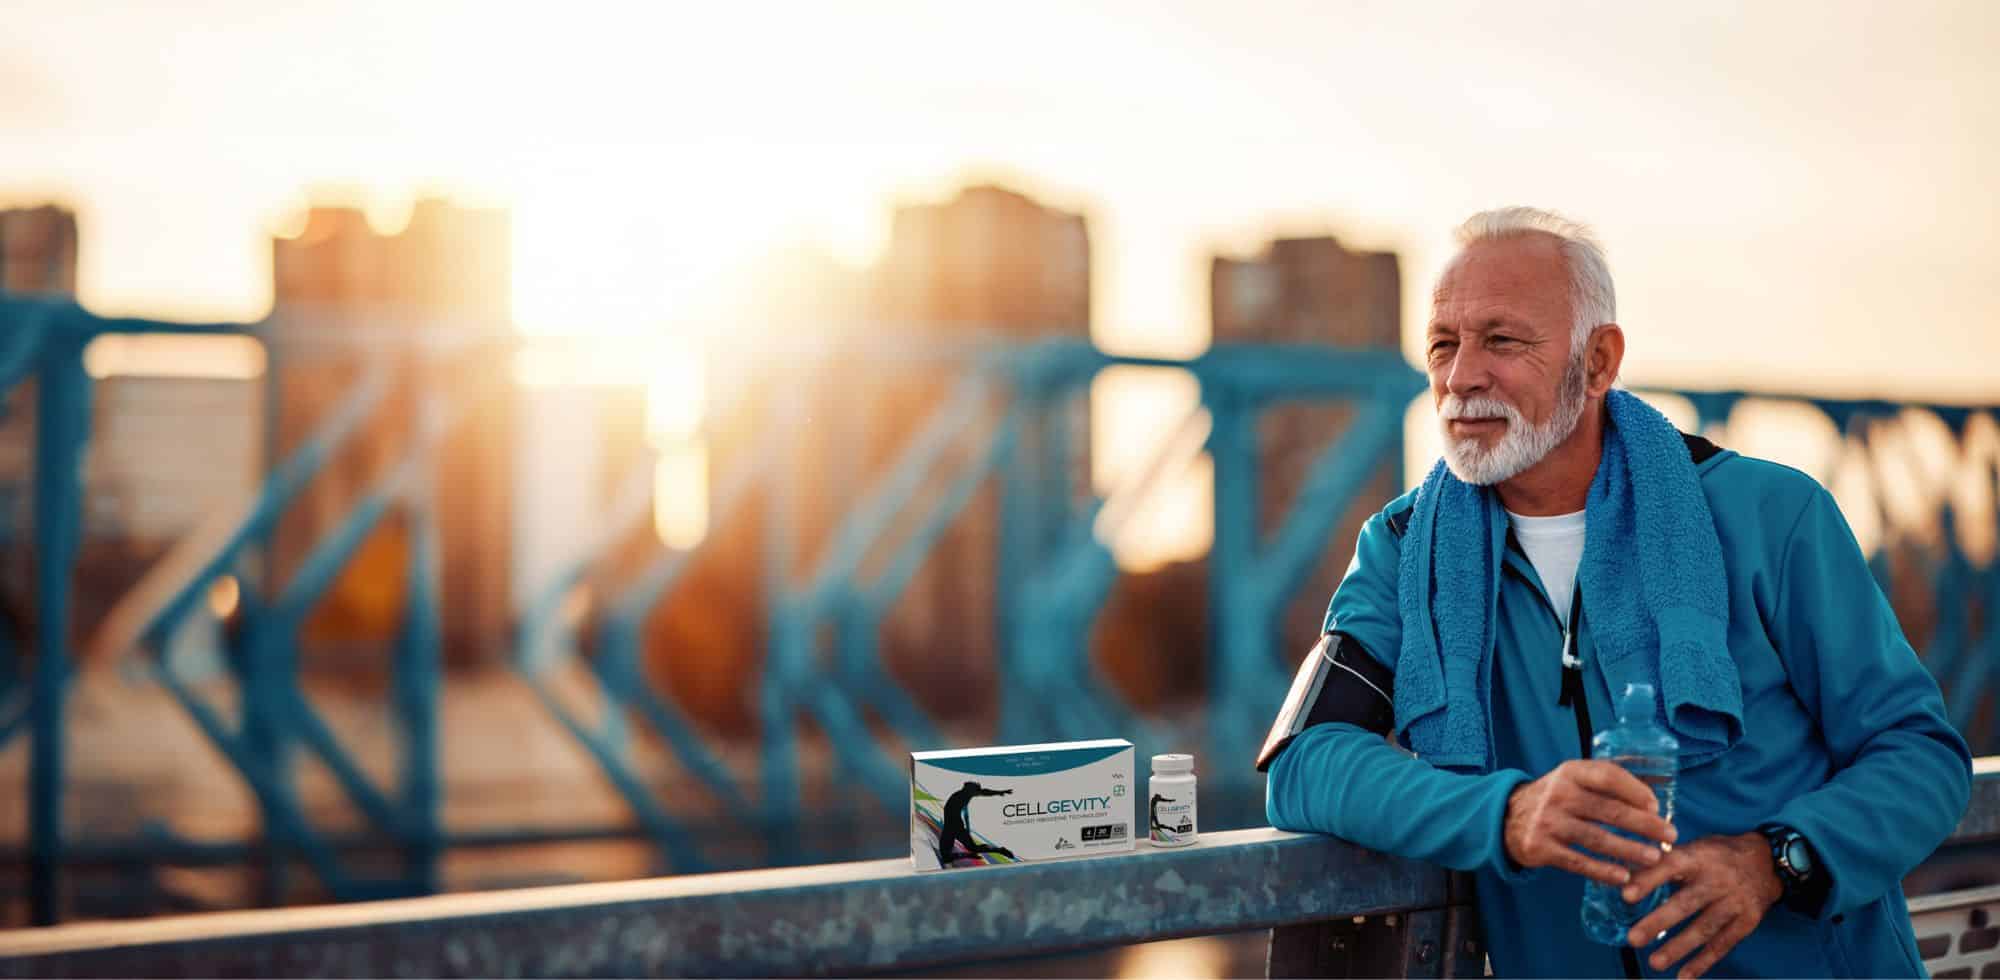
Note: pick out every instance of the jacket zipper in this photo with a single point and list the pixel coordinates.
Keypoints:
(1572, 697)
(1571, 694)
(1572, 679)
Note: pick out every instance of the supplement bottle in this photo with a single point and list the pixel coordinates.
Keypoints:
(1170, 803)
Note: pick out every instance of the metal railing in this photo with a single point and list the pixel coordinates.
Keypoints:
(1334, 909)
(842, 919)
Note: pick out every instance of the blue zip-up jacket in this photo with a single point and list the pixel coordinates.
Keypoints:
(1845, 738)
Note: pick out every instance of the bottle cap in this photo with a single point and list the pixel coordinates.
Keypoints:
(1636, 702)
(1173, 762)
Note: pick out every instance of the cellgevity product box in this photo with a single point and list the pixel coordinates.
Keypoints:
(1011, 803)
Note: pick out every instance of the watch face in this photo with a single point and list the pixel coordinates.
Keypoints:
(1798, 856)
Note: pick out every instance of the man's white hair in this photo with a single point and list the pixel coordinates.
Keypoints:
(1592, 299)
(1592, 303)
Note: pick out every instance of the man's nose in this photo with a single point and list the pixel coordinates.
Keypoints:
(1469, 373)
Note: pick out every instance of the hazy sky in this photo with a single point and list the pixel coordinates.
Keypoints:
(1794, 195)
(1791, 192)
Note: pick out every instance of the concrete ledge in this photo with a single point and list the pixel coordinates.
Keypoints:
(851, 918)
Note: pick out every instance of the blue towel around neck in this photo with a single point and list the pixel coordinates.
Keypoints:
(1651, 580)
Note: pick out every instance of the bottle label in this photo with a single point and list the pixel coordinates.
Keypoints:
(1172, 818)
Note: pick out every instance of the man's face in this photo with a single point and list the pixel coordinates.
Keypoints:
(1507, 387)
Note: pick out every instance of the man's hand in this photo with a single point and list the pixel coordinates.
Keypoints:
(1729, 881)
(1550, 818)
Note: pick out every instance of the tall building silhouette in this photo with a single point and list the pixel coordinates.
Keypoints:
(38, 251)
(990, 263)
(37, 257)
(1309, 290)
(165, 452)
(707, 639)
(448, 272)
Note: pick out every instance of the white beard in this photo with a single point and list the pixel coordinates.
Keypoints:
(1522, 445)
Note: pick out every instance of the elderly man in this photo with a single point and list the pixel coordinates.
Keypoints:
(1570, 543)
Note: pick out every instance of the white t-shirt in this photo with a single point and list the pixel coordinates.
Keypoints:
(1555, 546)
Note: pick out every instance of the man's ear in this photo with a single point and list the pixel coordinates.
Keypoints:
(1607, 353)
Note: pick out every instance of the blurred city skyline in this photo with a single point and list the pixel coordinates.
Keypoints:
(1794, 196)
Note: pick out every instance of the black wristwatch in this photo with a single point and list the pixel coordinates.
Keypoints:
(1798, 868)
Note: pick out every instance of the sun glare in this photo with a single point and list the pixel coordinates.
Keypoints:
(634, 271)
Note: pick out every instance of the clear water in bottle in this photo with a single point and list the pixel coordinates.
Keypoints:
(1649, 752)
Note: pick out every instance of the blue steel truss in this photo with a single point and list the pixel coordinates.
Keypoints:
(1004, 425)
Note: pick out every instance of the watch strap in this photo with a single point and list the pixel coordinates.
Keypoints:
(1805, 889)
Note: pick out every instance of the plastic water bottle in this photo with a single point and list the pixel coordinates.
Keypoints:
(1649, 752)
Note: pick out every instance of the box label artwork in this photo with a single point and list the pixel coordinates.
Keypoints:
(1014, 803)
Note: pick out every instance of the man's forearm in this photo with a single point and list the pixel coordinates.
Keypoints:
(1901, 773)
(1877, 819)
(1344, 780)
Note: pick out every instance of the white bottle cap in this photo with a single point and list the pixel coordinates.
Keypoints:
(1172, 762)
